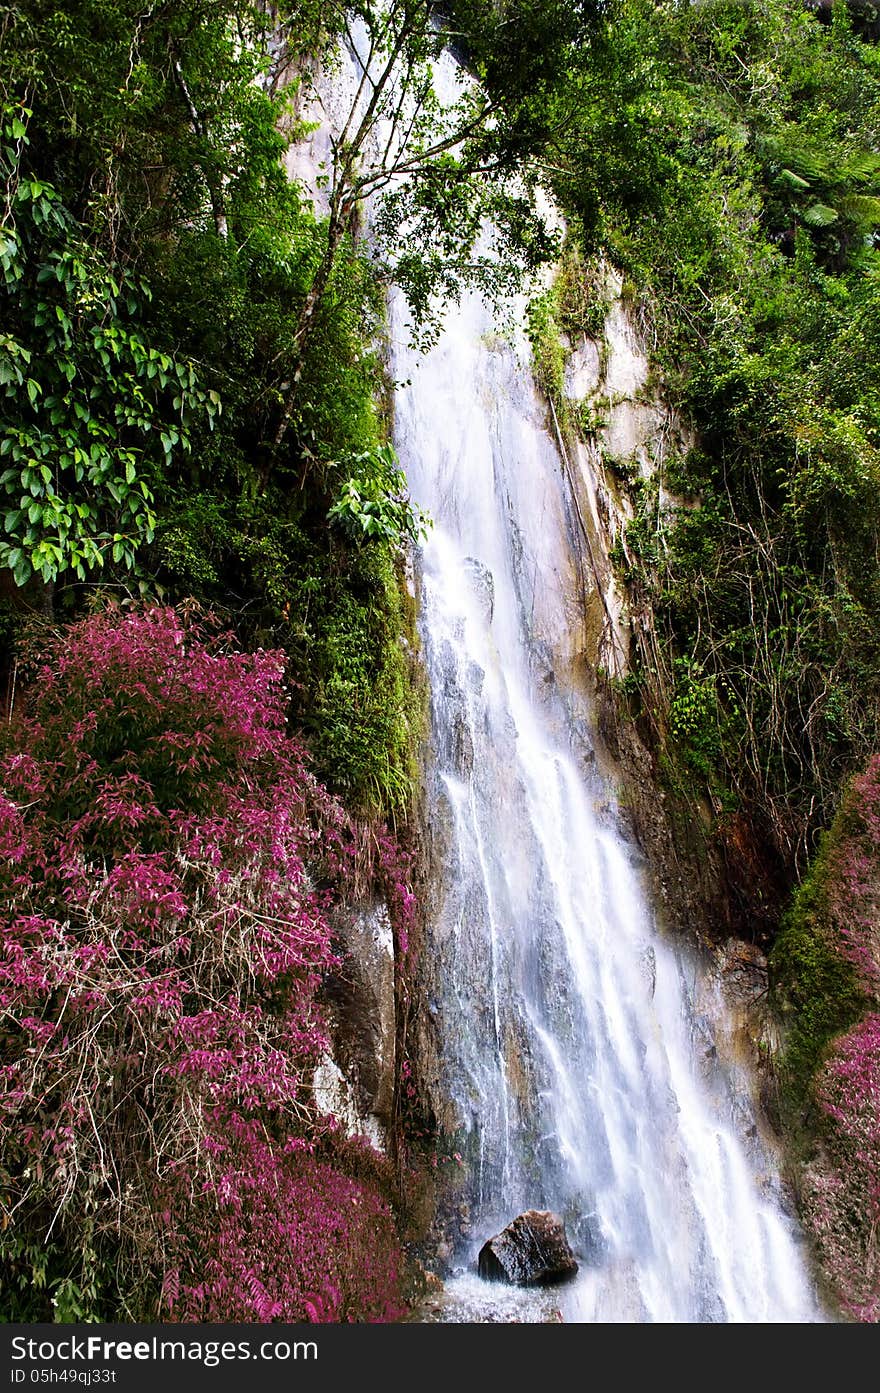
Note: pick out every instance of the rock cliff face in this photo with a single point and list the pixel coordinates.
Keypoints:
(616, 432)
(355, 1081)
(708, 882)
(711, 878)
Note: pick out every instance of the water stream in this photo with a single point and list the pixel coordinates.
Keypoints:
(583, 1054)
(576, 1047)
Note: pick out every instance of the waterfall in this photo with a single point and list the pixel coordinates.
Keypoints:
(576, 1053)
(579, 1047)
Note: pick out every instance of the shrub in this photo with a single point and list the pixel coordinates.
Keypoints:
(168, 865)
(842, 1190)
(827, 965)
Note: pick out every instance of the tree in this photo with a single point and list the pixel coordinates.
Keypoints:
(92, 408)
(169, 864)
(123, 129)
(440, 165)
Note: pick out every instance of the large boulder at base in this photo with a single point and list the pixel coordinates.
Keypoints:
(532, 1251)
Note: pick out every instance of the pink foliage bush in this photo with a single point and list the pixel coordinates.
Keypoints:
(291, 1237)
(168, 863)
(842, 1184)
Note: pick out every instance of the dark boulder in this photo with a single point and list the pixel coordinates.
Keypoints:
(532, 1251)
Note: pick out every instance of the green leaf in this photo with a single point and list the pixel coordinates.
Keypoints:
(793, 180)
(820, 215)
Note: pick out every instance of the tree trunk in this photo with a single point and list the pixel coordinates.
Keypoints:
(304, 323)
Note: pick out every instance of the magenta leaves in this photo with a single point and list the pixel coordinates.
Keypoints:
(843, 1186)
(168, 862)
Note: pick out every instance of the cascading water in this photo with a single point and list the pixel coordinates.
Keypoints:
(573, 1053)
(576, 1055)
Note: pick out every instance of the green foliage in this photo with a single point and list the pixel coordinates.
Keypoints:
(373, 501)
(38, 1271)
(816, 989)
(696, 719)
(367, 719)
(731, 174)
(158, 264)
(93, 409)
(337, 609)
(251, 533)
(151, 117)
(236, 309)
(573, 306)
(438, 169)
(547, 352)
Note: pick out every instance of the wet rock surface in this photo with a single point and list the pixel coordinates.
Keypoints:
(532, 1251)
(354, 1081)
(483, 583)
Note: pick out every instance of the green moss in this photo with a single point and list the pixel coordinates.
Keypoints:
(816, 989)
(571, 308)
(548, 354)
(366, 716)
(253, 531)
(583, 304)
(341, 612)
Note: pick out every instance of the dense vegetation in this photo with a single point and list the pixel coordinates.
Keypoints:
(156, 258)
(169, 864)
(826, 975)
(169, 860)
(725, 160)
(736, 183)
(195, 410)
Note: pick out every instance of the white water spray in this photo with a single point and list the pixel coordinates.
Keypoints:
(573, 1052)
